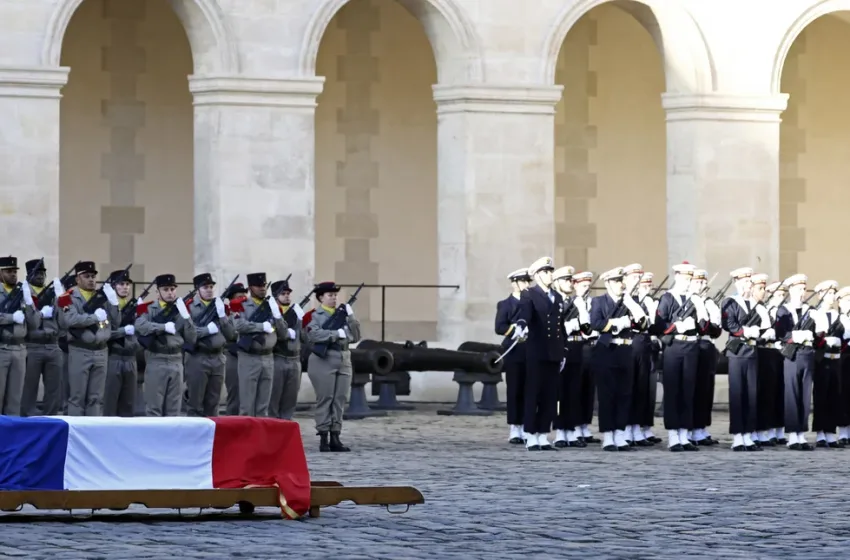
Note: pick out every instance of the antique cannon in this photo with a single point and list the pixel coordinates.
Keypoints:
(490, 383)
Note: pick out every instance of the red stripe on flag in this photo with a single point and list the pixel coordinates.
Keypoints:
(262, 452)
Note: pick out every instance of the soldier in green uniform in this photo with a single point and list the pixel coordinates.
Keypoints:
(231, 367)
(122, 368)
(88, 334)
(287, 355)
(44, 358)
(205, 364)
(256, 364)
(164, 355)
(14, 325)
(331, 375)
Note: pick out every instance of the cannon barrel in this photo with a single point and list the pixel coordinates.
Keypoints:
(372, 360)
(436, 359)
(472, 346)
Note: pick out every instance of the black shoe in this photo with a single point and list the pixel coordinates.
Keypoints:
(533, 448)
(630, 442)
(821, 443)
(578, 443)
(773, 441)
(643, 443)
(781, 441)
(323, 442)
(739, 448)
(844, 441)
(611, 447)
(769, 443)
(625, 448)
(336, 444)
(592, 439)
(547, 447)
(654, 439)
(561, 443)
(806, 447)
(754, 448)
(690, 447)
(676, 448)
(795, 447)
(834, 445)
(705, 442)
(515, 440)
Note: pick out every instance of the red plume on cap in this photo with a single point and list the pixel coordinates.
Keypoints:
(685, 262)
(236, 305)
(307, 317)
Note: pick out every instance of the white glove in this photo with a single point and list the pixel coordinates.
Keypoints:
(571, 326)
(341, 334)
(47, 312)
(18, 317)
(621, 324)
(763, 314)
(820, 319)
(181, 308)
(58, 288)
(212, 328)
(633, 307)
(298, 311)
(267, 328)
(652, 307)
(110, 294)
(140, 301)
(169, 328)
(713, 311)
(699, 305)
(751, 332)
(687, 325)
(801, 337)
(275, 309)
(25, 288)
(517, 332)
(291, 333)
(129, 330)
(768, 335)
(832, 341)
(349, 310)
(219, 308)
(100, 314)
(583, 313)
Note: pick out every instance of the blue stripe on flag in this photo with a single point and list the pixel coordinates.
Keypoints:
(32, 453)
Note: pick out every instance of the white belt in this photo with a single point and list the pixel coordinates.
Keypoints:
(653, 338)
(575, 338)
(749, 341)
(832, 356)
(777, 345)
(621, 341)
(685, 338)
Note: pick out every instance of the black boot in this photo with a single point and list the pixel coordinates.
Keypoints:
(323, 442)
(336, 444)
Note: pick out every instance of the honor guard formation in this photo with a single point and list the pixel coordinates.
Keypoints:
(564, 348)
(82, 341)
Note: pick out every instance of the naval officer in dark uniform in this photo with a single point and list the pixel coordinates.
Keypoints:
(507, 313)
(542, 320)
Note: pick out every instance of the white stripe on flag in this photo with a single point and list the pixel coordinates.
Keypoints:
(108, 453)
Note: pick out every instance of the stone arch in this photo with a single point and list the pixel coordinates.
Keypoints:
(688, 66)
(820, 9)
(450, 30)
(213, 47)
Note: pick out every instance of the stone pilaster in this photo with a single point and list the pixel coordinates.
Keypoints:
(29, 162)
(496, 196)
(723, 180)
(254, 176)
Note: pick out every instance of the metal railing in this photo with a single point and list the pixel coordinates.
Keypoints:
(383, 288)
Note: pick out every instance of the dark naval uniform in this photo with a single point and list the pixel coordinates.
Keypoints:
(741, 350)
(507, 314)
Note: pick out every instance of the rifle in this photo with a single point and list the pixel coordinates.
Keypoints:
(165, 316)
(804, 322)
(207, 316)
(621, 301)
(657, 289)
(99, 299)
(48, 297)
(15, 299)
(290, 316)
(260, 315)
(334, 323)
(128, 313)
(572, 310)
(734, 343)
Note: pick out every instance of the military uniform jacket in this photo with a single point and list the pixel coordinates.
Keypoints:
(831, 342)
(84, 329)
(602, 310)
(544, 317)
(48, 330)
(163, 342)
(120, 343)
(286, 346)
(338, 350)
(734, 316)
(211, 343)
(265, 342)
(11, 332)
(507, 314)
(788, 319)
(668, 314)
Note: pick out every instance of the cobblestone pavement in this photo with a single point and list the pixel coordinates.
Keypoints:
(487, 499)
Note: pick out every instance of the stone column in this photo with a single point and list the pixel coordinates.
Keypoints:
(254, 176)
(29, 162)
(496, 197)
(723, 181)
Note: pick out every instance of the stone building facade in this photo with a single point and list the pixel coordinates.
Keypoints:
(424, 141)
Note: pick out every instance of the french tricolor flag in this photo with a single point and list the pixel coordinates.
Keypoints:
(174, 453)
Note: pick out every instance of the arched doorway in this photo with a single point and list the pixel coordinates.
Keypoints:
(610, 143)
(376, 164)
(126, 142)
(814, 137)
